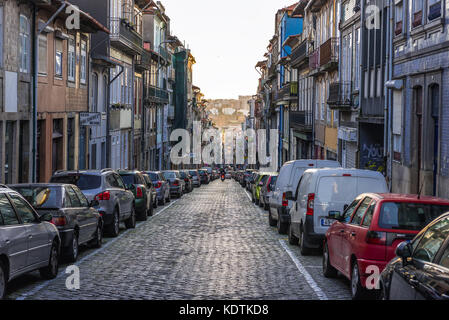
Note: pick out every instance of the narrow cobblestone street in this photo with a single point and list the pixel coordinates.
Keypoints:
(214, 243)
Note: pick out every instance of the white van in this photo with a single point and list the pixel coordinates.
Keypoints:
(287, 180)
(322, 193)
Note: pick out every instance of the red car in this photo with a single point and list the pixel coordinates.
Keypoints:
(370, 229)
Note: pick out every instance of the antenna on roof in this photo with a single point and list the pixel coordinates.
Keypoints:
(420, 191)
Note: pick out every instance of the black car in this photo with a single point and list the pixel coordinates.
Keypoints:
(421, 270)
(77, 220)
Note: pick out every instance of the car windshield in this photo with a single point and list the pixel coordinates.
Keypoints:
(154, 176)
(128, 179)
(193, 173)
(183, 175)
(84, 182)
(409, 216)
(42, 197)
(170, 175)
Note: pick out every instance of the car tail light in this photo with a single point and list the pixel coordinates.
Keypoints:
(105, 196)
(186, 179)
(176, 183)
(59, 221)
(268, 184)
(158, 185)
(310, 204)
(139, 193)
(374, 237)
(347, 175)
(284, 200)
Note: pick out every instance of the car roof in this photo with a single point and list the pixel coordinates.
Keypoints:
(342, 171)
(406, 197)
(39, 185)
(75, 172)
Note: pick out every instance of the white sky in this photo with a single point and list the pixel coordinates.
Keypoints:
(227, 38)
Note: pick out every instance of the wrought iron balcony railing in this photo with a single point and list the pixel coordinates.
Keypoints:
(314, 59)
(299, 54)
(340, 95)
(302, 120)
(124, 36)
(329, 53)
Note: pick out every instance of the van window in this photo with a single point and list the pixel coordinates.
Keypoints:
(371, 185)
(302, 189)
(284, 176)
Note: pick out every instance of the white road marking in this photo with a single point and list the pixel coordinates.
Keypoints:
(249, 197)
(62, 273)
(321, 295)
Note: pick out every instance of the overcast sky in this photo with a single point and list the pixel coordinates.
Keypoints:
(227, 38)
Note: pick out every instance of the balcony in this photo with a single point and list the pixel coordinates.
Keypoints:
(301, 120)
(165, 55)
(314, 60)
(299, 54)
(124, 37)
(143, 61)
(172, 75)
(288, 92)
(329, 54)
(340, 95)
(157, 95)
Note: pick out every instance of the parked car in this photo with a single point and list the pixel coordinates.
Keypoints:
(421, 269)
(28, 241)
(322, 193)
(266, 191)
(185, 175)
(369, 231)
(287, 181)
(249, 182)
(177, 185)
(78, 222)
(209, 173)
(228, 176)
(116, 202)
(143, 203)
(161, 185)
(246, 176)
(204, 177)
(149, 184)
(196, 180)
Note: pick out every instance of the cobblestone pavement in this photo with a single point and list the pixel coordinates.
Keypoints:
(214, 243)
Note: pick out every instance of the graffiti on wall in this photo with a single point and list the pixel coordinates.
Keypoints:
(372, 158)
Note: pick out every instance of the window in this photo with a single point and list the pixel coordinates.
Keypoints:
(94, 92)
(71, 62)
(350, 210)
(41, 197)
(369, 215)
(43, 54)
(58, 57)
(1, 36)
(119, 181)
(445, 258)
(356, 71)
(417, 12)
(24, 43)
(398, 19)
(73, 198)
(67, 202)
(83, 62)
(7, 215)
(434, 9)
(361, 211)
(24, 211)
(431, 241)
(81, 197)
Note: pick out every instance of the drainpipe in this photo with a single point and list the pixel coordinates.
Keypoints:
(108, 119)
(35, 79)
(387, 91)
(390, 96)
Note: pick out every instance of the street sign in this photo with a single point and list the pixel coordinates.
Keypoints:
(91, 119)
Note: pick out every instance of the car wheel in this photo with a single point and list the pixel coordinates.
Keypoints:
(143, 216)
(168, 198)
(97, 241)
(2, 281)
(282, 227)
(256, 202)
(155, 204)
(72, 255)
(114, 228)
(150, 211)
(357, 291)
(328, 270)
(291, 237)
(266, 207)
(163, 201)
(271, 221)
(130, 223)
(305, 251)
(51, 271)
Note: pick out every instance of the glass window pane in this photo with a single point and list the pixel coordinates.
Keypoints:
(432, 241)
(7, 215)
(358, 216)
(24, 211)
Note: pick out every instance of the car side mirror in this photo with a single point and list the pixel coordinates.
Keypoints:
(46, 217)
(404, 251)
(94, 203)
(289, 196)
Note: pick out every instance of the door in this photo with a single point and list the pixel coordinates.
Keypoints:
(335, 238)
(76, 212)
(89, 218)
(125, 197)
(13, 236)
(350, 235)
(39, 242)
(435, 108)
(419, 133)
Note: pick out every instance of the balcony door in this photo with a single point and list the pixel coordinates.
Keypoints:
(418, 107)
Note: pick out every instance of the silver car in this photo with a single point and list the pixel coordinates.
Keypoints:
(28, 241)
(116, 203)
